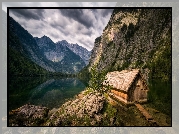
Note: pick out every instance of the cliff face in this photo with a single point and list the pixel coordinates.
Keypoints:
(135, 38)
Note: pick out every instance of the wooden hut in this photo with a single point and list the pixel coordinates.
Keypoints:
(127, 86)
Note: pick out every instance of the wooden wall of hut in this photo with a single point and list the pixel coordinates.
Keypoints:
(120, 94)
(138, 90)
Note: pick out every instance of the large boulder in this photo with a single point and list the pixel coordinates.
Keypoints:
(28, 115)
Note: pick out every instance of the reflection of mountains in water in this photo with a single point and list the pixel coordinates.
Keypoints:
(53, 92)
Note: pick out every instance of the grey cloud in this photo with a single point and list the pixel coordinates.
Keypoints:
(55, 35)
(88, 32)
(58, 27)
(78, 15)
(84, 30)
(36, 14)
(64, 31)
(58, 24)
(74, 25)
(61, 25)
(86, 44)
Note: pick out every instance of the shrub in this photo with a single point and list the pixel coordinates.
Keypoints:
(97, 79)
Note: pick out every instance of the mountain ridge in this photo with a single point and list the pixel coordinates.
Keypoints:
(22, 41)
(39, 50)
(135, 38)
(61, 56)
(79, 50)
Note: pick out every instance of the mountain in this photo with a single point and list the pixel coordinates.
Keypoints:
(79, 50)
(23, 52)
(21, 40)
(64, 60)
(47, 47)
(45, 43)
(135, 38)
(41, 52)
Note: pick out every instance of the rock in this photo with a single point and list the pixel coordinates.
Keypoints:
(52, 111)
(93, 122)
(111, 121)
(118, 48)
(28, 115)
(98, 117)
(89, 105)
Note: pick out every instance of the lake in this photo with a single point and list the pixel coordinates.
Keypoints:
(48, 92)
(53, 92)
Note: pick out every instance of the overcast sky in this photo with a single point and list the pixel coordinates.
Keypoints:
(79, 26)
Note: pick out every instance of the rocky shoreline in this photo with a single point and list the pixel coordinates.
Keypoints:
(28, 115)
(89, 108)
(84, 109)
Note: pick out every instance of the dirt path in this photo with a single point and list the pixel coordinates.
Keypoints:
(146, 115)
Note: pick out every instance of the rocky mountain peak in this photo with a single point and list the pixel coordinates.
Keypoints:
(62, 42)
(81, 51)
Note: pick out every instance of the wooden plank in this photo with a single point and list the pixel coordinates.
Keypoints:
(144, 112)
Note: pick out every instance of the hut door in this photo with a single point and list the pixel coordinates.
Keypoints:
(137, 91)
(136, 94)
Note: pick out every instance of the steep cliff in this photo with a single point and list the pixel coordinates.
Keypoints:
(135, 38)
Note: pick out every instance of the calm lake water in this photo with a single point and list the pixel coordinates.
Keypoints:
(51, 93)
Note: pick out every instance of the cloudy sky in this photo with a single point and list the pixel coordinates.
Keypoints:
(79, 26)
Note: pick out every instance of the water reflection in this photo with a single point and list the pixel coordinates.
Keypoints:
(52, 93)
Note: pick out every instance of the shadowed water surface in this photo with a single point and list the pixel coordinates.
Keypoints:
(51, 93)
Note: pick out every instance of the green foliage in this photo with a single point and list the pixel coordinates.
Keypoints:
(97, 78)
(111, 116)
(125, 65)
(88, 90)
(110, 110)
(161, 65)
(138, 63)
(20, 65)
(159, 96)
(84, 75)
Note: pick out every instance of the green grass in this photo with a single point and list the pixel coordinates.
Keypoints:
(159, 96)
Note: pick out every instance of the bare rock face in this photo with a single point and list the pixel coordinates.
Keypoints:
(134, 38)
(28, 115)
(89, 106)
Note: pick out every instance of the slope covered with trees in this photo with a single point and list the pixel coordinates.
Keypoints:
(19, 63)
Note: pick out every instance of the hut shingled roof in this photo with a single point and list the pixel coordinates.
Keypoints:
(121, 80)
